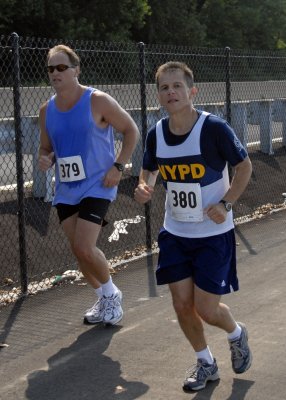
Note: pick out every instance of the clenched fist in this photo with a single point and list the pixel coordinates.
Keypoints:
(46, 162)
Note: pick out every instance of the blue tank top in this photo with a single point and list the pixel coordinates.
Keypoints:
(84, 152)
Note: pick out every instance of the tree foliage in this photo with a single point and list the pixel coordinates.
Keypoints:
(243, 24)
(256, 24)
(173, 22)
(99, 20)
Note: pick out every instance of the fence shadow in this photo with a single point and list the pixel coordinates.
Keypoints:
(5, 330)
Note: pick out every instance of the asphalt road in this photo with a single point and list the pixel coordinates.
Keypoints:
(53, 356)
(129, 95)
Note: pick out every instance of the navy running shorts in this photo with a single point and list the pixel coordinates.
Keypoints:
(91, 209)
(209, 261)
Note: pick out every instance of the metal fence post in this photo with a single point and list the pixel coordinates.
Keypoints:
(228, 95)
(143, 102)
(227, 85)
(19, 162)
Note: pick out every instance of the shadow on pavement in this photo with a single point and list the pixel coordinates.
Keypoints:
(151, 266)
(244, 240)
(82, 371)
(4, 332)
(240, 387)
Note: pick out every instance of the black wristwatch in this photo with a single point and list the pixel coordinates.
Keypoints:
(119, 166)
(227, 205)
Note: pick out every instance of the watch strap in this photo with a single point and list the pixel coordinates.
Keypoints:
(119, 166)
(227, 204)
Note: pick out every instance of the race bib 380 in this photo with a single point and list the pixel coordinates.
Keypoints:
(185, 201)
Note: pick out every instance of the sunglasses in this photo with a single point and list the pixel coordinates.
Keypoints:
(59, 67)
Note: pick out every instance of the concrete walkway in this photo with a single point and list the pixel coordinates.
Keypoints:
(53, 356)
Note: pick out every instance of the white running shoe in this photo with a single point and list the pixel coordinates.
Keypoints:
(112, 311)
(94, 314)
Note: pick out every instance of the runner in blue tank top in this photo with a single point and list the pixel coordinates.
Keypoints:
(77, 136)
(191, 150)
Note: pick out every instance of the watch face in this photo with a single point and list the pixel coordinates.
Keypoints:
(227, 205)
(119, 166)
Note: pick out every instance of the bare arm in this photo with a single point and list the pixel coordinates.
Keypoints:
(106, 110)
(46, 155)
(242, 174)
(241, 177)
(145, 188)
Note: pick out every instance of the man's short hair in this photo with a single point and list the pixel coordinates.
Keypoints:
(61, 48)
(172, 66)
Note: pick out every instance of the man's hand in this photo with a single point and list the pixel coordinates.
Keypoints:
(216, 212)
(143, 193)
(46, 162)
(112, 178)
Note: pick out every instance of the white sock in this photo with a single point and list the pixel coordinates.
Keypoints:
(235, 334)
(205, 355)
(108, 288)
(98, 291)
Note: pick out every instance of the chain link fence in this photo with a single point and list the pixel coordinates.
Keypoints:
(246, 88)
